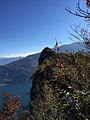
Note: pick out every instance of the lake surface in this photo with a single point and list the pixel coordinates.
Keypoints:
(17, 89)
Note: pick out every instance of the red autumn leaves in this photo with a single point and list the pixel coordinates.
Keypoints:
(88, 3)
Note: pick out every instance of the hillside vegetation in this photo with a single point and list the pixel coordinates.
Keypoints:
(61, 87)
(20, 70)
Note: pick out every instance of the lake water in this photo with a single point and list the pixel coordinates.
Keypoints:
(17, 89)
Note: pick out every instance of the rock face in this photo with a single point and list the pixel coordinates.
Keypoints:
(57, 87)
(20, 70)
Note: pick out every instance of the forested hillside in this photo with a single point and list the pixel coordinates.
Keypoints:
(20, 70)
(61, 86)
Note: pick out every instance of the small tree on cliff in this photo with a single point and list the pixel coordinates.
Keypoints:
(11, 105)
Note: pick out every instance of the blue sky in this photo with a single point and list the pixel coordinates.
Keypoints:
(27, 26)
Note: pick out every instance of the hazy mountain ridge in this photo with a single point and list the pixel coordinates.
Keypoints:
(19, 70)
(73, 47)
(4, 60)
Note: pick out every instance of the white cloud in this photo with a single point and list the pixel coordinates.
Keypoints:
(19, 54)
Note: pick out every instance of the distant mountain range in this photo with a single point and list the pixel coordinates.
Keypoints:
(5, 60)
(73, 47)
(20, 69)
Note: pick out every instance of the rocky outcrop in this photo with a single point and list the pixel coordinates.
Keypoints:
(58, 85)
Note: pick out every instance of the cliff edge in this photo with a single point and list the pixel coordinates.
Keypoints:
(61, 87)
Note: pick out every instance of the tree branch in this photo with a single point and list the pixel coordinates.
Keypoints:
(79, 11)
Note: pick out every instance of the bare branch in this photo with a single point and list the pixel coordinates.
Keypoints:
(81, 35)
(79, 11)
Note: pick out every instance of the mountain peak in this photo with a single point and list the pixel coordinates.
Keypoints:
(73, 47)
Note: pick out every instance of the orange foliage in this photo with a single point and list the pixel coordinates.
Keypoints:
(88, 3)
(61, 65)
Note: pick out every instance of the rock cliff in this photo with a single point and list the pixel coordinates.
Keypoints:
(60, 87)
